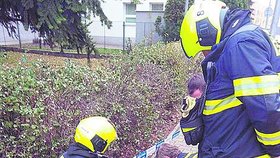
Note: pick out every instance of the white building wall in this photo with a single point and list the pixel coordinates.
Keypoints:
(115, 10)
(146, 4)
(259, 16)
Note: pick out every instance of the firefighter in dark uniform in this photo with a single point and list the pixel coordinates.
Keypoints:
(241, 114)
(92, 138)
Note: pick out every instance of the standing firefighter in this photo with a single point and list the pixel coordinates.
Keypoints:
(241, 114)
(92, 138)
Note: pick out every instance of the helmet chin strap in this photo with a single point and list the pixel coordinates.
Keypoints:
(222, 16)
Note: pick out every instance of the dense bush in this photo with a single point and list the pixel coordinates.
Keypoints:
(244, 4)
(276, 42)
(139, 92)
(41, 106)
(144, 94)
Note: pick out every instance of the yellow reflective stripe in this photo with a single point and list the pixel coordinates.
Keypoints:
(191, 155)
(257, 85)
(184, 130)
(279, 78)
(216, 106)
(268, 139)
(264, 156)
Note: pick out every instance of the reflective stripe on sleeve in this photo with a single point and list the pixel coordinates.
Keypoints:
(279, 78)
(191, 155)
(268, 139)
(184, 130)
(216, 106)
(257, 85)
(264, 156)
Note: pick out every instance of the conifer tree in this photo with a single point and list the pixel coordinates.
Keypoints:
(62, 21)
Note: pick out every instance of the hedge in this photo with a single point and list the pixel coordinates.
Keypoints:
(139, 92)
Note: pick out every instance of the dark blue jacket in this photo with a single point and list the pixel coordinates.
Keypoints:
(242, 109)
(77, 150)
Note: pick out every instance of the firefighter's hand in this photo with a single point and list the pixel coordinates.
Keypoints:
(187, 104)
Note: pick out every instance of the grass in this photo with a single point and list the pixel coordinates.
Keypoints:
(109, 51)
(12, 59)
(101, 51)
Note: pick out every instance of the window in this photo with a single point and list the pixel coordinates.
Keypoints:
(156, 6)
(130, 13)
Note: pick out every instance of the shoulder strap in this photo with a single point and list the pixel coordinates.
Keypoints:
(210, 75)
(244, 28)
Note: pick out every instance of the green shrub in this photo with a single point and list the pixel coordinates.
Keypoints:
(276, 43)
(40, 108)
(143, 94)
(3, 56)
(140, 92)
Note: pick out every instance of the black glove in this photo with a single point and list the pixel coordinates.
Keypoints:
(192, 126)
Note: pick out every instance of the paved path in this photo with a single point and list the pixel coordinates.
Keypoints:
(179, 142)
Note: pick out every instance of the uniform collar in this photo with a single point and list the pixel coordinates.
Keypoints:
(233, 21)
(78, 149)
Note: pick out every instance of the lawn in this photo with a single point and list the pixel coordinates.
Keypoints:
(101, 51)
(14, 58)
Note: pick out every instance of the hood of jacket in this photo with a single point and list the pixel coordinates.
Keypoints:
(233, 21)
(78, 150)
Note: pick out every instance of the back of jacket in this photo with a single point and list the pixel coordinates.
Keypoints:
(78, 151)
(242, 110)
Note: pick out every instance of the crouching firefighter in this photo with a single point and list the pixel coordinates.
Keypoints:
(239, 114)
(92, 138)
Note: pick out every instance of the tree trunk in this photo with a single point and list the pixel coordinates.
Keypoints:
(88, 57)
(61, 49)
(78, 50)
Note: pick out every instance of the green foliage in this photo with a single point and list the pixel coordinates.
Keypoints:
(41, 106)
(244, 4)
(140, 93)
(110, 51)
(3, 56)
(128, 46)
(62, 21)
(276, 43)
(173, 17)
(136, 1)
(174, 14)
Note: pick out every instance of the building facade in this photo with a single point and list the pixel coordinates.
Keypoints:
(266, 14)
(129, 21)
